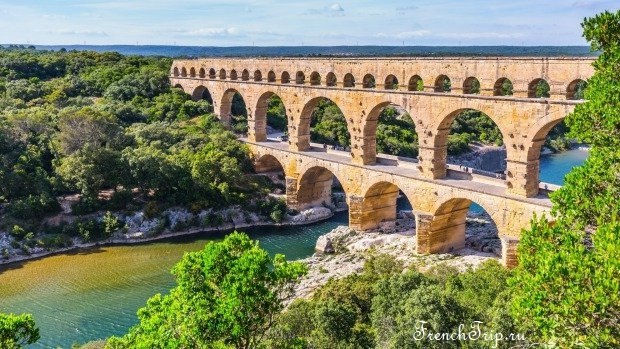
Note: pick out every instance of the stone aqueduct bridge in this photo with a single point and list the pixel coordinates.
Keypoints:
(362, 88)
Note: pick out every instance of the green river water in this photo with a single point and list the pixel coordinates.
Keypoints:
(86, 295)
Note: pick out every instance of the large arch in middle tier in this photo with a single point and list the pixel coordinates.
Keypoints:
(370, 125)
(258, 121)
(434, 140)
(302, 133)
(226, 105)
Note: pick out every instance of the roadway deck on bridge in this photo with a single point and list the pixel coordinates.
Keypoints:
(410, 171)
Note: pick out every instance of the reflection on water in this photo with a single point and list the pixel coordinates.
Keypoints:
(82, 296)
(93, 294)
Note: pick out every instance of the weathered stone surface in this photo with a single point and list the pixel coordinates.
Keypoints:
(440, 204)
(524, 122)
(440, 207)
(324, 245)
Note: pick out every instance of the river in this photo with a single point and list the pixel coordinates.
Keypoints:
(86, 295)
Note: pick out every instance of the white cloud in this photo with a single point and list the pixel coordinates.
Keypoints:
(79, 32)
(213, 32)
(336, 7)
(335, 10)
(405, 35)
(481, 35)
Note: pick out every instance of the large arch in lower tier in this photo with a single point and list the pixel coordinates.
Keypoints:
(268, 163)
(446, 231)
(314, 187)
(378, 204)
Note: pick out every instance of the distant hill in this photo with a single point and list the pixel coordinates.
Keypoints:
(356, 51)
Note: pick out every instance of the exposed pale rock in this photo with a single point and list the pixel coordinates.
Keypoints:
(324, 245)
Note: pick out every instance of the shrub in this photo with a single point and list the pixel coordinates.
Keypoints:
(18, 232)
(85, 205)
(151, 210)
(33, 206)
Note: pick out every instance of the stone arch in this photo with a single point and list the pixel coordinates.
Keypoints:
(314, 187)
(303, 128)
(331, 80)
(202, 92)
(268, 163)
(211, 73)
(271, 76)
(415, 84)
(537, 139)
(439, 135)
(222, 74)
(443, 84)
(233, 75)
(258, 76)
(226, 106)
(391, 82)
(192, 72)
(503, 87)
(285, 78)
(258, 124)
(369, 81)
(349, 80)
(446, 231)
(300, 78)
(179, 86)
(183, 72)
(369, 131)
(315, 79)
(575, 89)
(245, 75)
(201, 73)
(378, 204)
(175, 71)
(538, 88)
(471, 86)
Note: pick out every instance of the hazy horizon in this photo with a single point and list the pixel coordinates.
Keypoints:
(242, 23)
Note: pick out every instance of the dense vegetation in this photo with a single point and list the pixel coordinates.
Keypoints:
(227, 296)
(567, 287)
(109, 129)
(84, 122)
(383, 306)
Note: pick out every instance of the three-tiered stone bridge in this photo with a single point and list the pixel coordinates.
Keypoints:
(439, 193)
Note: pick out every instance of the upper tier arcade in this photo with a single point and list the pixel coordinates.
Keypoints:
(432, 90)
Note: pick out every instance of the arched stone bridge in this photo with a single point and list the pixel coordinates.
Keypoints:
(440, 196)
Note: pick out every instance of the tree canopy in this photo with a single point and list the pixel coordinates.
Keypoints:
(228, 294)
(567, 285)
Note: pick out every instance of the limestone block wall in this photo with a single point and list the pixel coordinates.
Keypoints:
(397, 73)
(441, 207)
(524, 122)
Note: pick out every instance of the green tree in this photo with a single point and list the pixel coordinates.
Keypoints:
(567, 285)
(226, 295)
(93, 169)
(17, 331)
(87, 127)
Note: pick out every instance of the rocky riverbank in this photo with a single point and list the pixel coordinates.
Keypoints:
(138, 228)
(344, 251)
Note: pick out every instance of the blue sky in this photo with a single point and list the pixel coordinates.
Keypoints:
(292, 23)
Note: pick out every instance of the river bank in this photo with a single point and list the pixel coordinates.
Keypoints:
(140, 230)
